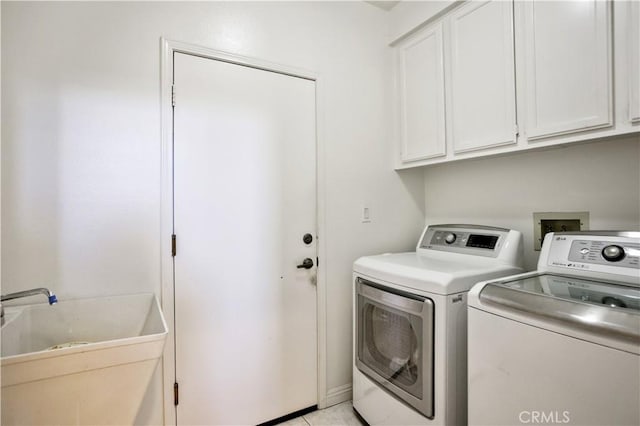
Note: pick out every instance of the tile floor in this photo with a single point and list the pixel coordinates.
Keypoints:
(337, 415)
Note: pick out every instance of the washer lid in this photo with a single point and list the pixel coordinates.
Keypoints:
(600, 293)
(599, 308)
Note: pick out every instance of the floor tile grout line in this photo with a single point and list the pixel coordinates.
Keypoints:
(319, 414)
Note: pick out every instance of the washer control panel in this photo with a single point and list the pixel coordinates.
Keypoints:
(596, 254)
(624, 254)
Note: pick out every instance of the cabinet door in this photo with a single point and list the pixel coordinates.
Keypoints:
(633, 59)
(482, 90)
(567, 66)
(421, 80)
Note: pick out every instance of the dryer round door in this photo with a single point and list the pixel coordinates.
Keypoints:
(395, 342)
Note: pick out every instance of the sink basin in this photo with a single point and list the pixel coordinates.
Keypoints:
(85, 361)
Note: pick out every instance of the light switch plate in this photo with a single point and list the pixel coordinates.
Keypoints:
(366, 214)
(544, 222)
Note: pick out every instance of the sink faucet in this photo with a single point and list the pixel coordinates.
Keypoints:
(26, 293)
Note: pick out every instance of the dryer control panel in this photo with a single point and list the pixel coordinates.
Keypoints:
(473, 240)
(464, 239)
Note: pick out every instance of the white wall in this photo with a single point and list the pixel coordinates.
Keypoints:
(81, 141)
(602, 178)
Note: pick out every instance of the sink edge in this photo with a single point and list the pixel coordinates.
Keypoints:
(42, 366)
(89, 347)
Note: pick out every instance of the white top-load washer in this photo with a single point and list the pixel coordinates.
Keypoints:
(410, 323)
(560, 345)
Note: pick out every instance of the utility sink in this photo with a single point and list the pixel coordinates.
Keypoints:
(85, 361)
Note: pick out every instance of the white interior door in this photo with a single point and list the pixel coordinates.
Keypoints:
(244, 196)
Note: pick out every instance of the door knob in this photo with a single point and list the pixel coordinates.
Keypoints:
(306, 264)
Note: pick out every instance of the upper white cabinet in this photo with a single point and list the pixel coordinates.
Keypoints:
(633, 61)
(567, 72)
(493, 77)
(421, 94)
(481, 90)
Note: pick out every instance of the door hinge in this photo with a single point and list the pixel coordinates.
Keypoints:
(173, 245)
(173, 95)
(176, 392)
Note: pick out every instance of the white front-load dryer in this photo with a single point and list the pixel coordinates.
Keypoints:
(410, 319)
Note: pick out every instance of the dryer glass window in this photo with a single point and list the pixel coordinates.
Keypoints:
(391, 342)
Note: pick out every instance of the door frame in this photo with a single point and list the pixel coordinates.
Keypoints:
(167, 49)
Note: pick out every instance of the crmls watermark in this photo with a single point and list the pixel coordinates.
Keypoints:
(544, 417)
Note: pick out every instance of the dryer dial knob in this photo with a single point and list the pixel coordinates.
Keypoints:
(450, 238)
(613, 253)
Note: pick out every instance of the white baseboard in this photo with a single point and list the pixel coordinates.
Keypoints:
(339, 394)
